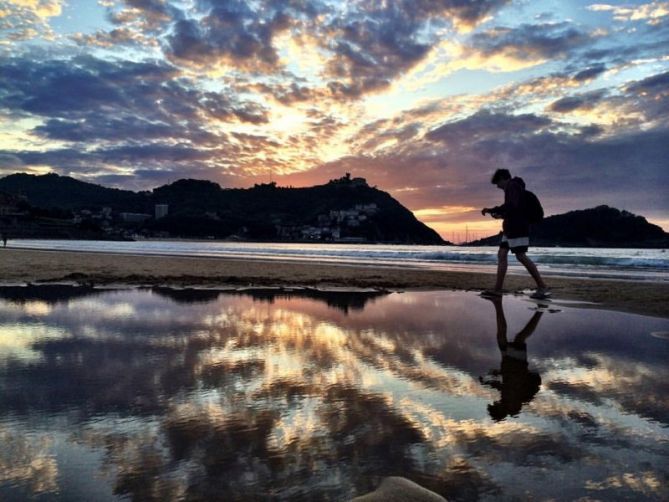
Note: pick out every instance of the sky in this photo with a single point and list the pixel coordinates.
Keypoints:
(423, 98)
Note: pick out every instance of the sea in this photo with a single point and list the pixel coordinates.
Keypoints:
(604, 263)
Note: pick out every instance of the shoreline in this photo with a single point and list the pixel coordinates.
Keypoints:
(102, 268)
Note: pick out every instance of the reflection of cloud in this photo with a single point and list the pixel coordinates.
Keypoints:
(639, 389)
(28, 460)
(646, 483)
(17, 341)
(252, 394)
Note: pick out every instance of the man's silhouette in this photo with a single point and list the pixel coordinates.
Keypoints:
(516, 383)
(516, 232)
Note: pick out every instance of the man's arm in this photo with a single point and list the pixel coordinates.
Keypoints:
(496, 212)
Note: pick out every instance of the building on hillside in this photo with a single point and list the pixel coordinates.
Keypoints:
(161, 210)
(348, 181)
(134, 217)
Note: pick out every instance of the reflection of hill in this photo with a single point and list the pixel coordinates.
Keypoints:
(342, 300)
(51, 294)
(187, 296)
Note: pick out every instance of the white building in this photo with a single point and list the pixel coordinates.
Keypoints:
(161, 210)
(134, 217)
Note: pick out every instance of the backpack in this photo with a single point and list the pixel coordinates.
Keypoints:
(532, 207)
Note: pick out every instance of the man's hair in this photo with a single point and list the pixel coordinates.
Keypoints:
(500, 174)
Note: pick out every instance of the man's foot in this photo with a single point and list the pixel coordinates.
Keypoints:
(541, 293)
(492, 293)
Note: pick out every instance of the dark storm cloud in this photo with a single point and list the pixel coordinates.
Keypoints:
(138, 116)
(372, 50)
(486, 124)
(650, 96)
(124, 129)
(654, 84)
(130, 155)
(590, 73)
(68, 87)
(585, 101)
(530, 41)
(619, 49)
(464, 10)
(382, 40)
(10, 162)
(371, 43)
(87, 99)
(233, 32)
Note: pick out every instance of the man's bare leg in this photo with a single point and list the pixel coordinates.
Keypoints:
(532, 269)
(502, 265)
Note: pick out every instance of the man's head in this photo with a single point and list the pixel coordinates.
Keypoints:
(501, 178)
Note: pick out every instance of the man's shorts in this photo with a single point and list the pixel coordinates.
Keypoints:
(516, 245)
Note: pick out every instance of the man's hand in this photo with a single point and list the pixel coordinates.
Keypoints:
(487, 210)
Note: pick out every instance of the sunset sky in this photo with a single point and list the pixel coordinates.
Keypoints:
(423, 98)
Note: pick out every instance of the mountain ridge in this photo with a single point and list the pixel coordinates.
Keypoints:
(343, 210)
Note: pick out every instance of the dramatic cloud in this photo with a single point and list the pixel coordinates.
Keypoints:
(531, 43)
(581, 101)
(652, 12)
(25, 19)
(423, 98)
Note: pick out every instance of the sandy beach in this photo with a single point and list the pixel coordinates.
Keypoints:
(30, 266)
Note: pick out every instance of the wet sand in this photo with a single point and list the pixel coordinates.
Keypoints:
(29, 266)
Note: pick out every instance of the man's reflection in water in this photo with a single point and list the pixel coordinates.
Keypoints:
(517, 384)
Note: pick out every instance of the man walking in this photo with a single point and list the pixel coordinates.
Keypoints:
(516, 232)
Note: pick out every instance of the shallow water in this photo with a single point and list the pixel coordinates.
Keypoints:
(268, 395)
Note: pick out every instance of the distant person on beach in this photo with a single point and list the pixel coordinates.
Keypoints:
(516, 232)
(516, 383)
(4, 239)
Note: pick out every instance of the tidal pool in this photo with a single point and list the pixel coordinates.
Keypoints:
(164, 394)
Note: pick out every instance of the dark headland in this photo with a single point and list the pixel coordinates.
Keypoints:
(343, 210)
(600, 226)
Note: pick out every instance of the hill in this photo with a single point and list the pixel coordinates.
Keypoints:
(343, 210)
(51, 191)
(600, 226)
